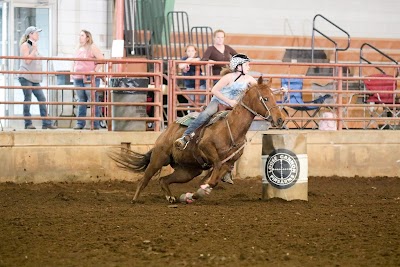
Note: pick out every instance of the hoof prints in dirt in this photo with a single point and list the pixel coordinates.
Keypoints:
(64, 197)
(346, 222)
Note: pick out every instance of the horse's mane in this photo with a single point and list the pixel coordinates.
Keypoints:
(249, 88)
(225, 70)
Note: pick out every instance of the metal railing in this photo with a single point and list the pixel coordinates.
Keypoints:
(350, 109)
(314, 29)
(202, 37)
(108, 74)
(179, 33)
(363, 58)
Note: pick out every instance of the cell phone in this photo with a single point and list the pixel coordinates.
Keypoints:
(29, 42)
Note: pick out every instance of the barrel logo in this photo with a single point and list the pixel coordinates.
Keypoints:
(282, 168)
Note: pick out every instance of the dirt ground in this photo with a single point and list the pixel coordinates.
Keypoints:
(346, 222)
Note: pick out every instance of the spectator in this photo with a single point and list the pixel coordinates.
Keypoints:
(218, 51)
(29, 49)
(86, 49)
(190, 70)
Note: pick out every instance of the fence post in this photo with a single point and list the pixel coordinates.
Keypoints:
(340, 98)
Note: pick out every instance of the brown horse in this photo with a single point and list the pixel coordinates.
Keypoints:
(215, 147)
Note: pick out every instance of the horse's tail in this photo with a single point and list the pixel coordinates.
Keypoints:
(128, 159)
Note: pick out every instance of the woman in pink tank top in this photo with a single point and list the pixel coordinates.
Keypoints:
(88, 50)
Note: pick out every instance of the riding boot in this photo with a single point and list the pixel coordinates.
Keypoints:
(181, 143)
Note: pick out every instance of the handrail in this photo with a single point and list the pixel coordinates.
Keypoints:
(202, 38)
(369, 62)
(177, 28)
(348, 114)
(108, 73)
(344, 109)
(333, 41)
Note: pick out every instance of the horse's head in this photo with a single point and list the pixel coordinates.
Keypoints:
(260, 100)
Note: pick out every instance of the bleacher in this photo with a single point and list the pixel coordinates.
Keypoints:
(287, 49)
(273, 48)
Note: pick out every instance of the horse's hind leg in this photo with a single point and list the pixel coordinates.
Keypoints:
(143, 183)
(180, 175)
(154, 166)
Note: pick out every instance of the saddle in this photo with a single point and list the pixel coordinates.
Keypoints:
(187, 120)
(222, 112)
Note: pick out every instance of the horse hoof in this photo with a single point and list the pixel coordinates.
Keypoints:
(186, 198)
(227, 178)
(200, 193)
(206, 188)
(171, 199)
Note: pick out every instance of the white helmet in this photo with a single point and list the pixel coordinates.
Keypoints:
(237, 60)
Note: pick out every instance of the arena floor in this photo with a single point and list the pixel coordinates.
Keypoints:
(346, 222)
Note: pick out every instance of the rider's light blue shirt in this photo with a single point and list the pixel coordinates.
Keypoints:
(232, 91)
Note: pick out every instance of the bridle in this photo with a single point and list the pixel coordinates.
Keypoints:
(264, 101)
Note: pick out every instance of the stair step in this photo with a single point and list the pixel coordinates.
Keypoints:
(304, 55)
(325, 71)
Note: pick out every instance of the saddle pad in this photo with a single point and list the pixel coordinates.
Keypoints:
(217, 116)
(186, 120)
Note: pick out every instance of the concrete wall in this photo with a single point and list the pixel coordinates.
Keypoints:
(347, 153)
(65, 155)
(366, 18)
(91, 15)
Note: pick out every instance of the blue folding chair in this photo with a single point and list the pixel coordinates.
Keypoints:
(297, 98)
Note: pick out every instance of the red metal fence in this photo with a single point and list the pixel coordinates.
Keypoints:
(350, 104)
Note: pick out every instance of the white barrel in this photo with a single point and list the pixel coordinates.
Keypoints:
(284, 166)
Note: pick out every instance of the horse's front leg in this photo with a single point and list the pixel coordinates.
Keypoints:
(205, 189)
(217, 174)
(180, 175)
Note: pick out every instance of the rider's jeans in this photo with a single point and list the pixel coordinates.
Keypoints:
(203, 117)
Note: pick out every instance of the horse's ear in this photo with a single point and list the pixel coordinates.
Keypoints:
(260, 80)
(269, 83)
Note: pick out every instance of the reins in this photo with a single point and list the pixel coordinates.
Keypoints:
(234, 145)
(234, 153)
(265, 106)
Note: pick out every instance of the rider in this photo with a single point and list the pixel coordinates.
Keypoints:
(226, 91)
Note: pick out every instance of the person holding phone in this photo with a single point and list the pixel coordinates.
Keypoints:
(29, 50)
(88, 50)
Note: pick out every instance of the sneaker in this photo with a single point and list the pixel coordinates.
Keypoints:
(181, 143)
(78, 127)
(227, 178)
(30, 127)
(49, 127)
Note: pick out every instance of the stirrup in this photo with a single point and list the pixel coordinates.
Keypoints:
(181, 143)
